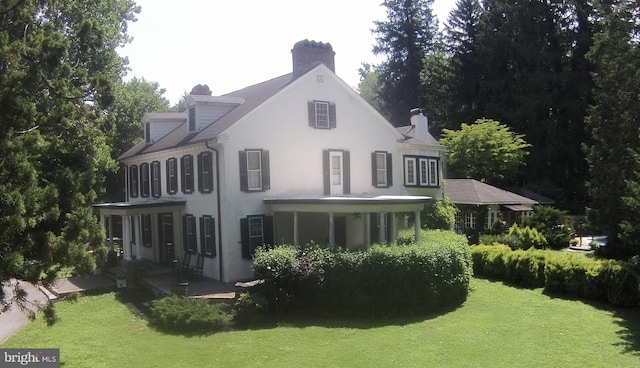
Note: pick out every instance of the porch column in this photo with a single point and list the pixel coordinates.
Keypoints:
(392, 228)
(110, 232)
(332, 231)
(295, 227)
(416, 225)
(126, 237)
(137, 238)
(367, 229)
(382, 227)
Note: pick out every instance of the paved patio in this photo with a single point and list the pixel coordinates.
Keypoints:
(167, 283)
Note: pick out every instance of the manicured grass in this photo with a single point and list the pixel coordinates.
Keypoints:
(499, 326)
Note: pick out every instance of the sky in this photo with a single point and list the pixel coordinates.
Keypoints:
(229, 44)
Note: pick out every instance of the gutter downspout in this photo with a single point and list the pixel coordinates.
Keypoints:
(221, 267)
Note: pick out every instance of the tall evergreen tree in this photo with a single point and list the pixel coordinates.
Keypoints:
(405, 38)
(461, 41)
(58, 69)
(532, 76)
(614, 124)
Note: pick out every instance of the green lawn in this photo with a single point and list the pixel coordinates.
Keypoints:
(498, 326)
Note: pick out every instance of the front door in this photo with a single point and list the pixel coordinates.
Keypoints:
(167, 245)
(337, 174)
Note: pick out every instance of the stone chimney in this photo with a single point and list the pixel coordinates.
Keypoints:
(201, 90)
(307, 54)
(420, 125)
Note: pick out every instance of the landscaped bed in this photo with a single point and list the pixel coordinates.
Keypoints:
(497, 326)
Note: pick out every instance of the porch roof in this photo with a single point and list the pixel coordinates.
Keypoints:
(133, 208)
(348, 204)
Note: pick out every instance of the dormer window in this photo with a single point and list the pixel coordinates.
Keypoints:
(322, 114)
(192, 118)
(147, 132)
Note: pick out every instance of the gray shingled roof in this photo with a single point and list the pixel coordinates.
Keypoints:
(407, 132)
(253, 96)
(470, 191)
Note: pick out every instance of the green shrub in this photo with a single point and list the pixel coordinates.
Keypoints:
(614, 281)
(182, 314)
(527, 237)
(511, 240)
(383, 280)
(553, 224)
(250, 309)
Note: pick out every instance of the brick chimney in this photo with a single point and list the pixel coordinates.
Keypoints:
(307, 54)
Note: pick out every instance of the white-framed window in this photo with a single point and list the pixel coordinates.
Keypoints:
(190, 238)
(433, 172)
(421, 171)
(254, 170)
(469, 220)
(186, 164)
(322, 114)
(381, 169)
(156, 186)
(459, 221)
(192, 119)
(205, 172)
(172, 175)
(492, 216)
(410, 171)
(207, 235)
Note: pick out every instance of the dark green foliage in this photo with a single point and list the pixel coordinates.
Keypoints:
(250, 309)
(438, 214)
(189, 315)
(577, 276)
(527, 237)
(58, 70)
(383, 280)
(405, 38)
(503, 238)
(613, 122)
(553, 224)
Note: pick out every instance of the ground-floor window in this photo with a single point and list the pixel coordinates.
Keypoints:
(256, 230)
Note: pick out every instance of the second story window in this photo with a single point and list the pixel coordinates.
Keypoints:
(254, 170)
(421, 171)
(381, 169)
(186, 165)
(156, 186)
(144, 180)
(133, 181)
(322, 114)
(192, 119)
(205, 172)
(172, 176)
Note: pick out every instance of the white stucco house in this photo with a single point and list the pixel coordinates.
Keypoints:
(295, 159)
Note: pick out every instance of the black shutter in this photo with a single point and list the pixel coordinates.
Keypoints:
(326, 172)
(169, 187)
(244, 238)
(185, 235)
(266, 173)
(267, 231)
(203, 240)
(346, 172)
(190, 164)
(244, 180)
(389, 170)
(209, 166)
(332, 115)
(374, 169)
(200, 172)
(212, 230)
(183, 180)
(312, 113)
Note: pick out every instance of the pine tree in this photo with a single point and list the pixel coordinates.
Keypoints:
(405, 38)
(614, 125)
(58, 69)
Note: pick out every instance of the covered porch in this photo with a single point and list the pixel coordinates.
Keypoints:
(344, 221)
(149, 228)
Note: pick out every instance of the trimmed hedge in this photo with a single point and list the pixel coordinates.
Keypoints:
(383, 280)
(564, 273)
(189, 315)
